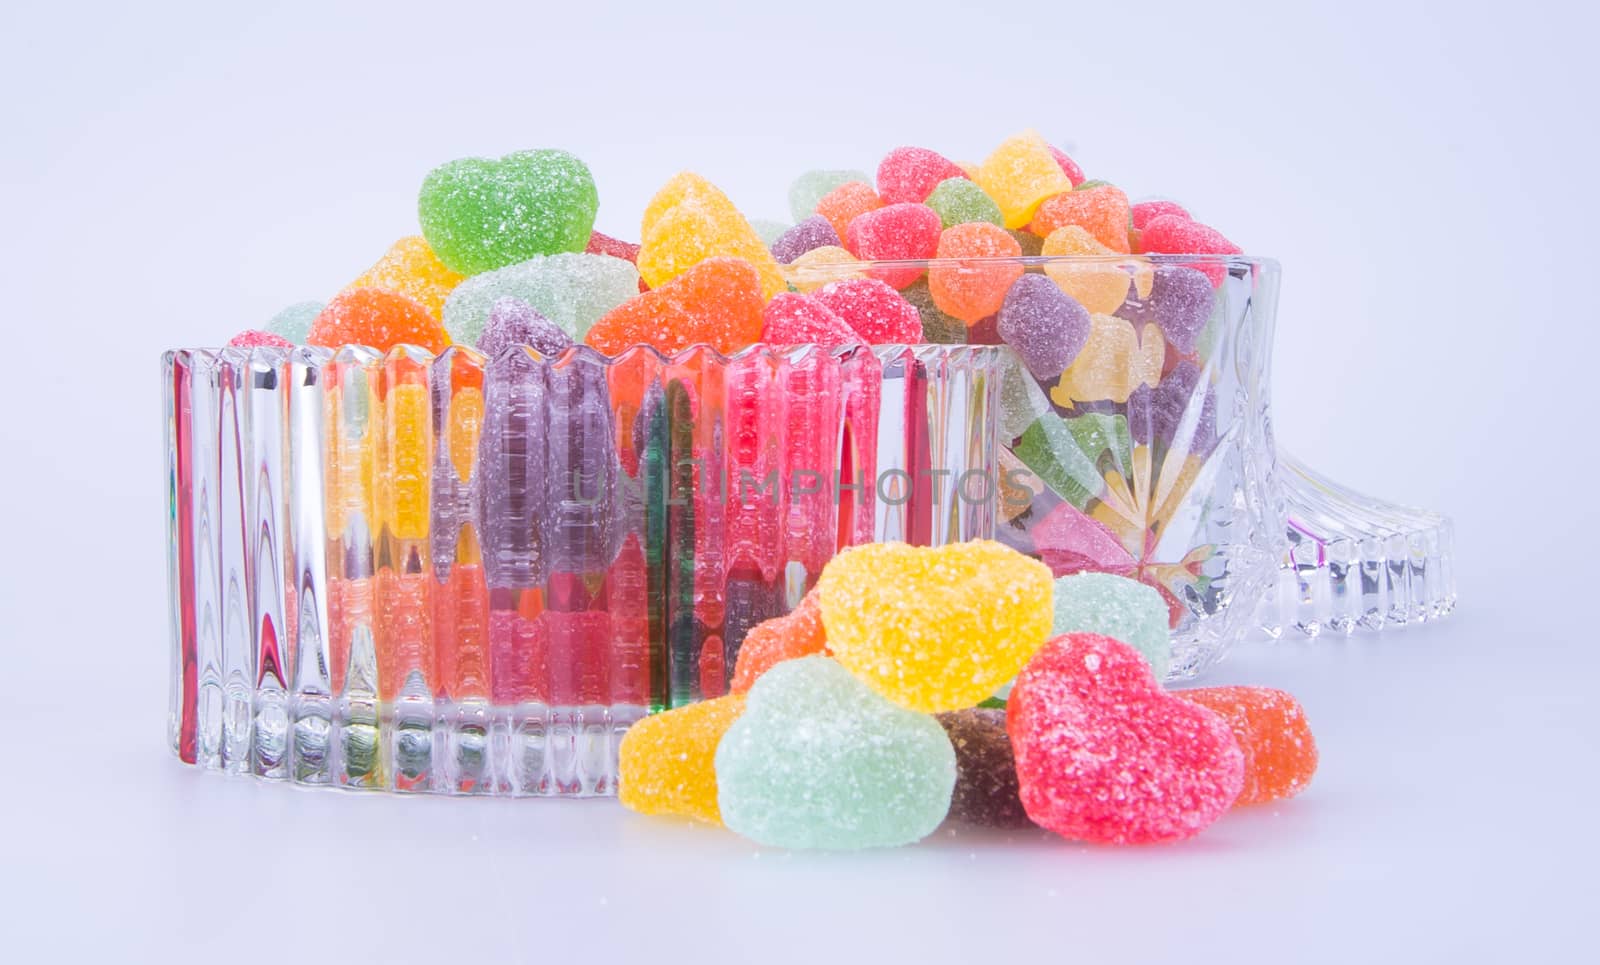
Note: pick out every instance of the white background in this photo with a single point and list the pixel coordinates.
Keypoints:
(1425, 174)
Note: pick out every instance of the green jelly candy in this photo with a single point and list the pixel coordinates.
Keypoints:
(1091, 184)
(959, 201)
(1030, 243)
(818, 760)
(810, 187)
(1049, 449)
(1116, 607)
(294, 322)
(570, 289)
(936, 325)
(1098, 433)
(767, 230)
(480, 214)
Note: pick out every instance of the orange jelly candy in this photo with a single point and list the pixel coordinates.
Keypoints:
(381, 319)
(769, 643)
(1279, 753)
(718, 302)
(974, 290)
(1102, 211)
(841, 205)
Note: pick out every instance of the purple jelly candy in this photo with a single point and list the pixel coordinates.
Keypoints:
(1045, 325)
(513, 321)
(1154, 414)
(1180, 302)
(814, 232)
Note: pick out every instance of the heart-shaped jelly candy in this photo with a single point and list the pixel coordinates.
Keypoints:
(479, 214)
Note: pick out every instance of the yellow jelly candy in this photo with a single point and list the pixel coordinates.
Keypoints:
(1101, 287)
(820, 266)
(1115, 361)
(1020, 175)
(665, 761)
(410, 268)
(935, 629)
(405, 478)
(690, 220)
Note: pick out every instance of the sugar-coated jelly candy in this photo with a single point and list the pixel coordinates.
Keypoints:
(789, 637)
(1180, 300)
(937, 327)
(1176, 235)
(820, 266)
(376, 318)
(986, 769)
(1116, 607)
(796, 319)
(843, 204)
(909, 174)
(1102, 211)
(1043, 324)
(1146, 211)
(879, 315)
(513, 321)
(665, 764)
(972, 289)
(959, 200)
(256, 338)
(1156, 414)
(410, 268)
(810, 234)
(817, 760)
(571, 289)
(717, 302)
(603, 244)
(1105, 755)
(1021, 174)
(293, 322)
(1030, 243)
(1280, 755)
(1117, 359)
(768, 230)
(812, 186)
(690, 220)
(479, 214)
(1069, 167)
(1099, 287)
(896, 232)
(934, 628)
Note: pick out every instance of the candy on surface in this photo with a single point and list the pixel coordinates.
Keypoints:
(479, 214)
(256, 338)
(718, 301)
(1069, 167)
(1117, 359)
(1020, 175)
(768, 230)
(810, 234)
(1179, 299)
(896, 232)
(769, 643)
(986, 769)
(843, 204)
(879, 315)
(294, 321)
(970, 290)
(1105, 755)
(817, 760)
(937, 327)
(1157, 414)
(665, 762)
(376, 318)
(1146, 211)
(820, 266)
(909, 174)
(812, 186)
(1177, 235)
(1043, 324)
(1098, 287)
(934, 628)
(690, 220)
(959, 200)
(1280, 755)
(796, 319)
(410, 268)
(1102, 211)
(571, 289)
(513, 321)
(1116, 607)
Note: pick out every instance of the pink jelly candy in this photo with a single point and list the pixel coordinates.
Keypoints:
(898, 232)
(1147, 211)
(878, 313)
(911, 173)
(1105, 755)
(795, 319)
(1174, 235)
(603, 244)
(1069, 167)
(256, 338)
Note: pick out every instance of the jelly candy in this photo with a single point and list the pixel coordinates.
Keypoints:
(1146, 211)
(1105, 755)
(410, 268)
(1100, 288)
(984, 332)
(513, 321)
(1019, 175)
(718, 302)
(767, 230)
(1180, 300)
(845, 203)
(294, 321)
(256, 338)
(818, 760)
(934, 629)
(897, 232)
(909, 174)
(376, 318)
(959, 201)
(819, 266)
(810, 234)
(690, 220)
(1043, 324)
(480, 214)
(936, 325)
(601, 244)
(789, 637)
(1172, 234)
(1280, 755)
(971, 290)
(570, 289)
(796, 319)
(812, 186)
(1116, 607)
(665, 762)
(1157, 414)
(1102, 211)
(877, 312)
(1117, 359)
(1069, 167)
(1030, 243)
(986, 770)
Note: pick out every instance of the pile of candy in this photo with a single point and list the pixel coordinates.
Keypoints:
(864, 718)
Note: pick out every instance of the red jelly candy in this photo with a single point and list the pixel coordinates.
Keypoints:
(1147, 211)
(769, 643)
(1170, 234)
(841, 205)
(717, 302)
(1105, 755)
(899, 232)
(877, 312)
(909, 174)
(1102, 211)
(1069, 167)
(601, 244)
(380, 319)
(1279, 753)
(256, 338)
(795, 319)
